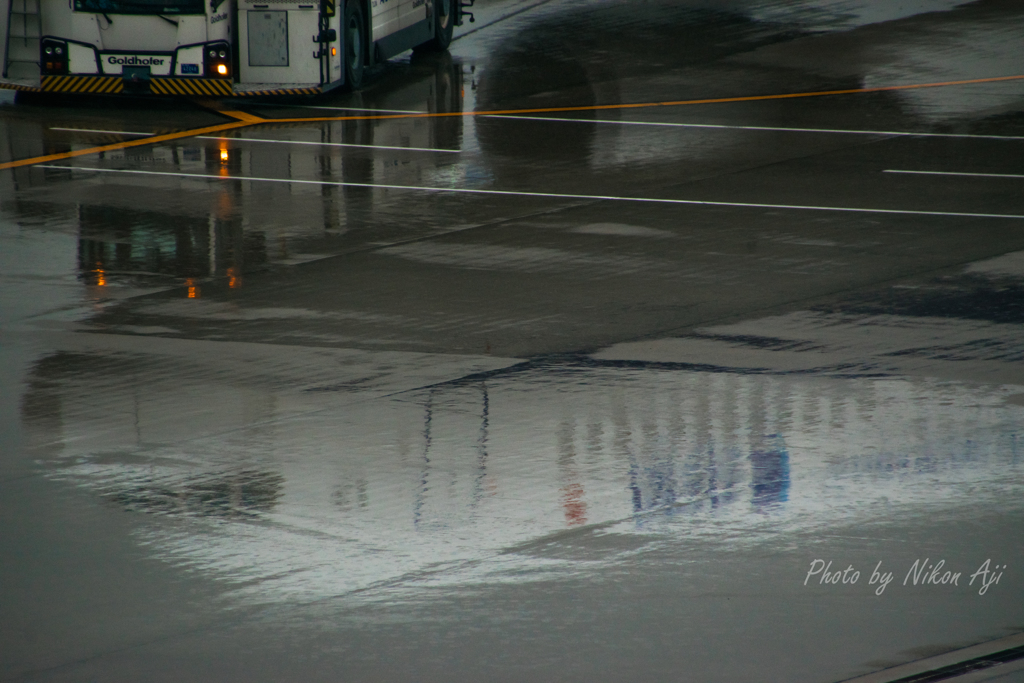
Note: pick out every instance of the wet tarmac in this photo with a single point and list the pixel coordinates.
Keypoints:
(681, 391)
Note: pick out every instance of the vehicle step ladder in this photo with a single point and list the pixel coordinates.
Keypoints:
(21, 47)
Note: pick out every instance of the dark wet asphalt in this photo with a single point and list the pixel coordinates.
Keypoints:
(299, 421)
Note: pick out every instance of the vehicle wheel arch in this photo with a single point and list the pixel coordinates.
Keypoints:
(351, 56)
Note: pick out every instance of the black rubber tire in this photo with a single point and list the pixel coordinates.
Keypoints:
(354, 29)
(444, 25)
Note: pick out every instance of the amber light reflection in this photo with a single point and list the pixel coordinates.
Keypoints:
(224, 156)
(101, 277)
(234, 279)
(193, 289)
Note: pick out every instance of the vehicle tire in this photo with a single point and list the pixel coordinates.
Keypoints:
(444, 25)
(355, 45)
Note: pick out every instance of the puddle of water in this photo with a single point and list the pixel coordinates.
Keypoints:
(312, 504)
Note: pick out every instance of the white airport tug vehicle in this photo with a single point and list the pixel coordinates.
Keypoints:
(212, 47)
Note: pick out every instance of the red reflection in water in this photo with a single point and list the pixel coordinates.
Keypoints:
(575, 508)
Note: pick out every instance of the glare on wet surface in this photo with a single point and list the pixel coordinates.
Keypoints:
(308, 500)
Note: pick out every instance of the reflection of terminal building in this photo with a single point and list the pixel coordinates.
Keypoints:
(709, 441)
(476, 466)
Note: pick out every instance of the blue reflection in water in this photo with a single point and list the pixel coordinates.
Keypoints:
(769, 478)
(711, 477)
(654, 485)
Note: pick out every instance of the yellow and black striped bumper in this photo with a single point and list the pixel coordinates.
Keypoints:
(157, 86)
(7, 85)
(191, 86)
(279, 91)
(86, 84)
(110, 85)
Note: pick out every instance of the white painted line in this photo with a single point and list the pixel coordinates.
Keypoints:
(93, 130)
(546, 195)
(381, 111)
(840, 131)
(956, 173)
(313, 106)
(329, 144)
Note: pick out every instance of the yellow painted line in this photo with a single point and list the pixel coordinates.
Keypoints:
(215, 106)
(641, 105)
(243, 119)
(127, 143)
(242, 116)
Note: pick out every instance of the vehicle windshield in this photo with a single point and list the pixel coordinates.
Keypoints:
(141, 6)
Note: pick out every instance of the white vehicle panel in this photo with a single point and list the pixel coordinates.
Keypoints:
(85, 28)
(81, 59)
(389, 16)
(191, 56)
(412, 12)
(275, 44)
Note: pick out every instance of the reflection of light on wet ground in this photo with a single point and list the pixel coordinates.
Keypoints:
(824, 15)
(847, 344)
(359, 493)
(1011, 264)
(973, 48)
